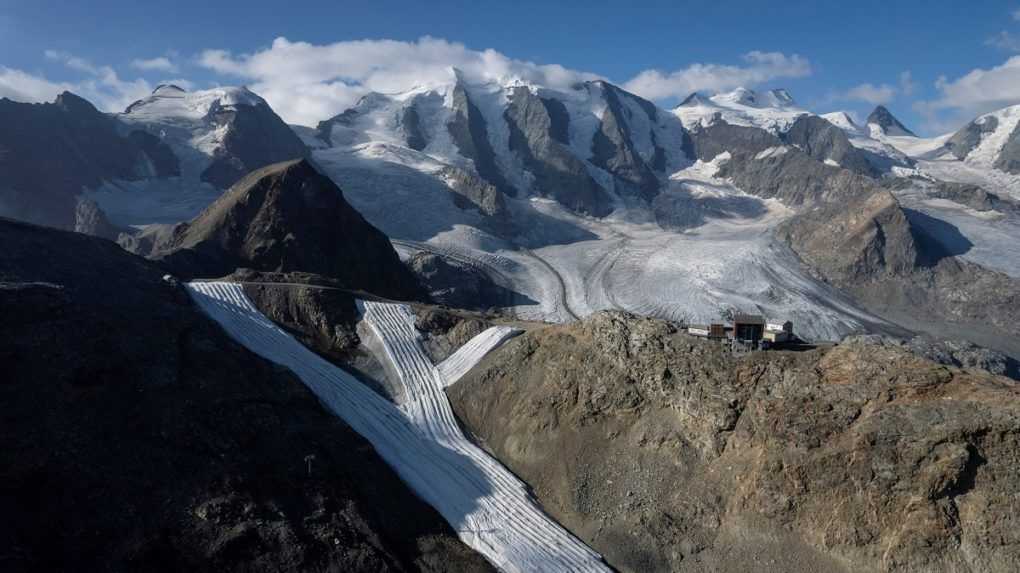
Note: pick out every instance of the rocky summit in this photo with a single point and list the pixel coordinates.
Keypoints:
(286, 217)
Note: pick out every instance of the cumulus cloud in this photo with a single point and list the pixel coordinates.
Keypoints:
(100, 84)
(976, 92)
(870, 93)
(873, 94)
(758, 68)
(980, 88)
(307, 82)
(159, 64)
(22, 86)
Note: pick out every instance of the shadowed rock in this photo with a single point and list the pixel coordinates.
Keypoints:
(471, 136)
(887, 122)
(49, 152)
(543, 147)
(824, 141)
(612, 147)
(255, 137)
(139, 437)
(287, 217)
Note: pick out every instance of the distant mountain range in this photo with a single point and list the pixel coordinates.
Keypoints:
(511, 170)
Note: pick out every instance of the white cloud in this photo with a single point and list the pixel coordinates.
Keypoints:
(980, 88)
(101, 84)
(1004, 41)
(160, 64)
(880, 94)
(870, 93)
(21, 86)
(306, 82)
(976, 92)
(758, 68)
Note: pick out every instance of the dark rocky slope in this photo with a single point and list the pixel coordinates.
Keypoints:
(49, 152)
(139, 437)
(286, 217)
(887, 122)
(255, 137)
(666, 453)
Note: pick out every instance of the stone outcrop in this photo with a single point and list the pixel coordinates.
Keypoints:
(666, 453)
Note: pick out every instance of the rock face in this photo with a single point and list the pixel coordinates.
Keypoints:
(964, 141)
(316, 310)
(950, 296)
(826, 142)
(471, 136)
(887, 122)
(1008, 159)
(139, 437)
(539, 136)
(287, 217)
(471, 191)
(666, 453)
(959, 353)
(613, 148)
(50, 152)
(255, 137)
(854, 242)
(848, 228)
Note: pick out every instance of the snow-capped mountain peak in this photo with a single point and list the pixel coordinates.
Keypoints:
(882, 121)
(842, 120)
(776, 98)
(694, 100)
(740, 96)
(169, 100)
(773, 110)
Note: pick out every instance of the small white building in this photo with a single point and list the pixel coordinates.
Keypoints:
(778, 331)
(697, 330)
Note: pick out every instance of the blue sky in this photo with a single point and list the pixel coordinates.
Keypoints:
(830, 55)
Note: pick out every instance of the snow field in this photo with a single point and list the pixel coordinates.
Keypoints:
(486, 504)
